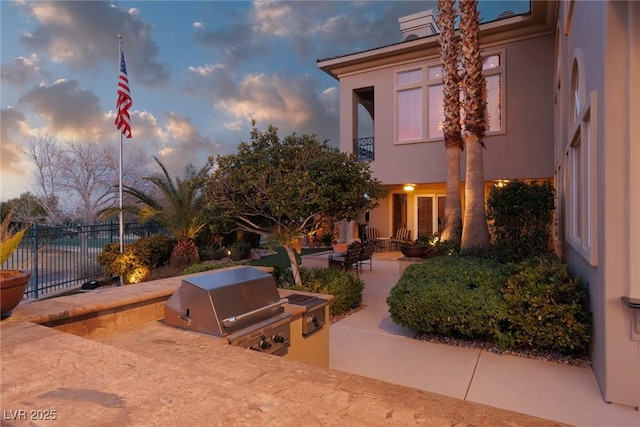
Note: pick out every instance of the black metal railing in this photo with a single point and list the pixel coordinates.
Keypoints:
(364, 149)
(61, 257)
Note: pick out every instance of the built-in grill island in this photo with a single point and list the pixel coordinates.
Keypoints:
(242, 305)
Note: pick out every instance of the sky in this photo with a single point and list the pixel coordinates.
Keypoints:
(199, 72)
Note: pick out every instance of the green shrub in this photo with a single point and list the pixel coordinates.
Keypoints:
(240, 251)
(520, 215)
(440, 248)
(107, 257)
(158, 247)
(132, 264)
(138, 258)
(451, 296)
(326, 239)
(219, 253)
(345, 287)
(545, 307)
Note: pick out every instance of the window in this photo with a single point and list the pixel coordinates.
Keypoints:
(580, 157)
(410, 114)
(399, 211)
(415, 95)
(409, 105)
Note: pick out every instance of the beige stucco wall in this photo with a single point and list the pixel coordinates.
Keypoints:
(525, 150)
(607, 37)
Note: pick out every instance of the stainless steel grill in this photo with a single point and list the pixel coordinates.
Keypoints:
(240, 304)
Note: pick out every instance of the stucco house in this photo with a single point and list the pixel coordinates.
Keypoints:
(563, 99)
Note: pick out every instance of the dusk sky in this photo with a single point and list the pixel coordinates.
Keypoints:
(198, 71)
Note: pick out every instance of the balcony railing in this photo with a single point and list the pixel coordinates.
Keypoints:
(364, 149)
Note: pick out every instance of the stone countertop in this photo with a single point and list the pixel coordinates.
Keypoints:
(156, 375)
(58, 309)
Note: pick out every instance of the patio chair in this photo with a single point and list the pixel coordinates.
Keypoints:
(366, 256)
(350, 259)
(372, 233)
(403, 235)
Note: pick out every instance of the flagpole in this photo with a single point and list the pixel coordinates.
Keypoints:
(121, 213)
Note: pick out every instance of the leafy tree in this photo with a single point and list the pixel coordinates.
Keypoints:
(475, 231)
(279, 187)
(176, 204)
(521, 214)
(449, 51)
(27, 208)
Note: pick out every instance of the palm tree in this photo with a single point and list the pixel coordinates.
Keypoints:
(177, 204)
(452, 137)
(475, 232)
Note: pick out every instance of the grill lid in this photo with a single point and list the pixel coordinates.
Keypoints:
(224, 301)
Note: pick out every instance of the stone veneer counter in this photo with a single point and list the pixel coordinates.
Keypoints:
(135, 373)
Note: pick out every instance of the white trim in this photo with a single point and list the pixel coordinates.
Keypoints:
(585, 132)
(434, 207)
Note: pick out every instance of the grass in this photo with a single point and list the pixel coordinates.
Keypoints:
(280, 259)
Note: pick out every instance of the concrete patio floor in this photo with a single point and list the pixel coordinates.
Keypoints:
(368, 343)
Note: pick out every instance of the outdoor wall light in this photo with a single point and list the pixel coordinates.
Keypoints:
(409, 187)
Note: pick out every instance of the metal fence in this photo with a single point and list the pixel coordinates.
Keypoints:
(66, 256)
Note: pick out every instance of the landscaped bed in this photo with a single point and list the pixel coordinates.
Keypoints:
(532, 308)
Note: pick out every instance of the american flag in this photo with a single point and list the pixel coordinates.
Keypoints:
(124, 100)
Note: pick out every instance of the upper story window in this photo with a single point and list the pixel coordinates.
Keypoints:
(409, 101)
(420, 100)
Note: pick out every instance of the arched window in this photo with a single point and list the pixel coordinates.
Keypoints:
(575, 98)
(581, 162)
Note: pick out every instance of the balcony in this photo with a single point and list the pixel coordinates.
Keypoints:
(363, 148)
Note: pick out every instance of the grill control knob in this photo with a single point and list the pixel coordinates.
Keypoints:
(264, 344)
(277, 338)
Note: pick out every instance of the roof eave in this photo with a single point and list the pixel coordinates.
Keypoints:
(542, 19)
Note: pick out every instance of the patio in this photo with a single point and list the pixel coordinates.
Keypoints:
(368, 343)
(130, 369)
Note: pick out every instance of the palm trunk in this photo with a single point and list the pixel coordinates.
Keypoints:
(475, 232)
(451, 126)
(452, 204)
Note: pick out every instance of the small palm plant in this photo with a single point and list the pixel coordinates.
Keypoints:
(12, 282)
(177, 204)
(9, 238)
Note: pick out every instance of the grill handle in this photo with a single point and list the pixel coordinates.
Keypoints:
(230, 321)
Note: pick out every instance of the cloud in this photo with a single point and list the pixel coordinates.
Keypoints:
(236, 43)
(185, 145)
(13, 133)
(292, 103)
(214, 80)
(71, 112)
(22, 70)
(84, 34)
(318, 29)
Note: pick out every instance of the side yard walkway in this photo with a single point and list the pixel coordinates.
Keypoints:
(368, 343)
